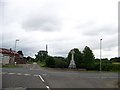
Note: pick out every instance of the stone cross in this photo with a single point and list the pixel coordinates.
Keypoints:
(72, 52)
(72, 62)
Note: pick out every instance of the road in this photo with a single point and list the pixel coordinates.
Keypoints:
(32, 76)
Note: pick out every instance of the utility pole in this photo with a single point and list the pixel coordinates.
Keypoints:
(100, 55)
(47, 49)
(15, 49)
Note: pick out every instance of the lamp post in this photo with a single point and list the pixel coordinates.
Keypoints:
(15, 48)
(100, 54)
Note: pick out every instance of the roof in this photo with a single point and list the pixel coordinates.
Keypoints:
(8, 52)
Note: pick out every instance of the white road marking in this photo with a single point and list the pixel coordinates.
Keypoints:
(31, 69)
(113, 77)
(4, 72)
(97, 77)
(41, 78)
(44, 74)
(34, 69)
(36, 75)
(34, 63)
(103, 77)
(18, 88)
(11, 73)
(22, 74)
(27, 74)
(19, 73)
(48, 87)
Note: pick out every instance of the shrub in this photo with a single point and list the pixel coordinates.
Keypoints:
(60, 64)
(50, 62)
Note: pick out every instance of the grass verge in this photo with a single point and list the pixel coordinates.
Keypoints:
(29, 62)
(10, 66)
(41, 64)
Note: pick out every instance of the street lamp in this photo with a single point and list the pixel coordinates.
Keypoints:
(100, 54)
(15, 43)
(15, 48)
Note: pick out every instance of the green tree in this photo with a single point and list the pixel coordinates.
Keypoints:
(116, 59)
(41, 56)
(88, 58)
(20, 52)
(50, 62)
(60, 62)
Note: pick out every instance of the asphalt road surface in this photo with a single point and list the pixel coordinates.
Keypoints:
(32, 76)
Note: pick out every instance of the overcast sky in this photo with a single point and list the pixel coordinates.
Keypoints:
(62, 24)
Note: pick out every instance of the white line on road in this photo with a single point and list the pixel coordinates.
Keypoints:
(34, 63)
(36, 75)
(103, 77)
(27, 74)
(22, 74)
(4, 72)
(30, 68)
(113, 77)
(48, 87)
(11, 73)
(19, 73)
(44, 74)
(41, 78)
(34, 69)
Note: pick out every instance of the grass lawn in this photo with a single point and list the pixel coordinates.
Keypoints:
(41, 64)
(116, 63)
(29, 62)
(9, 66)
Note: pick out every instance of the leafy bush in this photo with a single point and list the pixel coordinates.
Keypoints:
(110, 67)
(50, 62)
(60, 64)
(107, 67)
(115, 67)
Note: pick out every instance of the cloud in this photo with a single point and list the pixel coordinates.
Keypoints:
(106, 30)
(44, 17)
(62, 24)
(2, 5)
(41, 24)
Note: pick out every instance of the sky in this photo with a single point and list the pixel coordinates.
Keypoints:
(61, 24)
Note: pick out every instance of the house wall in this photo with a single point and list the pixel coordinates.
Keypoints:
(20, 60)
(5, 59)
(1, 56)
(8, 56)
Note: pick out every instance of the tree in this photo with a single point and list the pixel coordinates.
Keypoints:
(116, 59)
(50, 62)
(41, 56)
(60, 62)
(78, 57)
(20, 52)
(88, 58)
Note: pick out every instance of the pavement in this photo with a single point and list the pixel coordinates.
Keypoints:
(33, 76)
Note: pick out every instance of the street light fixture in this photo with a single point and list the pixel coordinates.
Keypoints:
(15, 43)
(15, 48)
(100, 54)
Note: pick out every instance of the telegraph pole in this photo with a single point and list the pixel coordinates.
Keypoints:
(100, 55)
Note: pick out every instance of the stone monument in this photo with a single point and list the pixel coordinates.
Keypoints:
(72, 62)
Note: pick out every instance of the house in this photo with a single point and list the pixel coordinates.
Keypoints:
(9, 56)
(21, 59)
